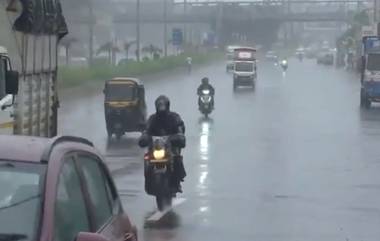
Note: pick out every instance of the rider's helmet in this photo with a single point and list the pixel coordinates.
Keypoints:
(205, 81)
(162, 104)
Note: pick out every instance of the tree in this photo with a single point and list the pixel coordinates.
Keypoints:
(66, 43)
(111, 49)
(152, 50)
(127, 46)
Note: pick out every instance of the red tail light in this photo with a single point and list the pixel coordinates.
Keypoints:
(146, 157)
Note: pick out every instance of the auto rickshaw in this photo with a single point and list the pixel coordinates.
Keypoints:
(124, 106)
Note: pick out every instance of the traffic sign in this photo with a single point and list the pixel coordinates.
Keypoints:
(177, 36)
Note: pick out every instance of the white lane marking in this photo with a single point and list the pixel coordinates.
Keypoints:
(158, 214)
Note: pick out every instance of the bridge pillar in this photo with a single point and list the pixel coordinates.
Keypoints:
(219, 25)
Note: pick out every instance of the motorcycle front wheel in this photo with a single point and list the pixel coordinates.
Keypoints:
(163, 197)
(163, 202)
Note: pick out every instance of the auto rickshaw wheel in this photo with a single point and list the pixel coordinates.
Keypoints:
(118, 136)
(367, 103)
(109, 134)
(364, 100)
(235, 85)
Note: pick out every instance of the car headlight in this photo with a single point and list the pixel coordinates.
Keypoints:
(159, 154)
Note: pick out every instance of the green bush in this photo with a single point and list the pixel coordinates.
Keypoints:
(75, 76)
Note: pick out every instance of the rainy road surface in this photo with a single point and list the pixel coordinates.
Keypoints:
(294, 160)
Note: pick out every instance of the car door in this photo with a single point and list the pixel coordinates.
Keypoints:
(70, 213)
(107, 213)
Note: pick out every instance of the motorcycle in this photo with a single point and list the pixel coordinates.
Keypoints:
(159, 162)
(205, 102)
(284, 65)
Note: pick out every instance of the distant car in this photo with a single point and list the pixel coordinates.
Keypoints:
(79, 61)
(271, 55)
(326, 58)
(310, 53)
(57, 190)
(300, 54)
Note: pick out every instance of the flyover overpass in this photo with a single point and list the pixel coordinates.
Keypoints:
(207, 18)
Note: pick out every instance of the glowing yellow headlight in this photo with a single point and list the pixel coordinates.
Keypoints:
(159, 154)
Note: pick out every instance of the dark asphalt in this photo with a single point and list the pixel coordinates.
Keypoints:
(294, 160)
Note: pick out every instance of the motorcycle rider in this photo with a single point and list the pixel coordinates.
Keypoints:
(205, 85)
(189, 62)
(166, 123)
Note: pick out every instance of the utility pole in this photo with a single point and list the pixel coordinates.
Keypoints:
(138, 30)
(165, 28)
(290, 25)
(184, 24)
(91, 32)
(374, 11)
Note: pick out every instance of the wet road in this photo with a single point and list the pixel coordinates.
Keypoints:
(296, 159)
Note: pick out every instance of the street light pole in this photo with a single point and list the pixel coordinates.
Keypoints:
(185, 18)
(374, 11)
(165, 28)
(91, 32)
(138, 30)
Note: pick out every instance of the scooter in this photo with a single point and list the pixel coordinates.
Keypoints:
(206, 103)
(284, 65)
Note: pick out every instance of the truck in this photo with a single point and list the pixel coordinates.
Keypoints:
(370, 71)
(30, 31)
(244, 71)
(230, 57)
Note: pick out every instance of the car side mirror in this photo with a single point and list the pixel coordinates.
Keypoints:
(84, 236)
(11, 82)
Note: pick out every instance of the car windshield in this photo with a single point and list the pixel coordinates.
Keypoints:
(20, 200)
(244, 67)
(120, 92)
(373, 62)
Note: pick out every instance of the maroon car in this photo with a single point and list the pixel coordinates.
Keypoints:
(58, 190)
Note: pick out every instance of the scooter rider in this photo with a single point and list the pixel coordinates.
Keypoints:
(205, 85)
(166, 123)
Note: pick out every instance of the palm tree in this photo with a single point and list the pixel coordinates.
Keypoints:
(111, 48)
(152, 50)
(66, 43)
(127, 46)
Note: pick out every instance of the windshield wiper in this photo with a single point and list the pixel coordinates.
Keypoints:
(12, 236)
(19, 203)
(6, 164)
